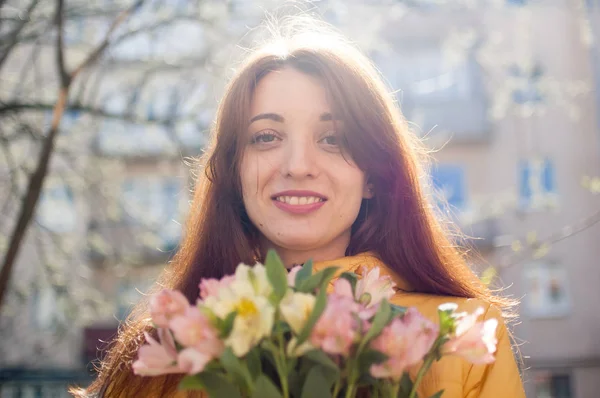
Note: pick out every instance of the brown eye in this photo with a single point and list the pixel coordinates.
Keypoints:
(331, 140)
(264, 137)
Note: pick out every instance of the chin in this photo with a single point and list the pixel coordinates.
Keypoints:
(304, 242)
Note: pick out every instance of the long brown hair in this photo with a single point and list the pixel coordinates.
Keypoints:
(399, 224)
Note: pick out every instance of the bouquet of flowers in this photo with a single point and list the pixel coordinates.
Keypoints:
(264, 332)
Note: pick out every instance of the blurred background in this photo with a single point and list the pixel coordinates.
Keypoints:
(104, 103)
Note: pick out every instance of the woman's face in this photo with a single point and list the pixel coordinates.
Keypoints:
(299, 189)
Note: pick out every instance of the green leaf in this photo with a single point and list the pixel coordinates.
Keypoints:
(277, 275)
(218, 386)
(321, 358)
(446, 317)
(318, 309)
(437, 394)
(352, 278)
(253, 363)
(304, 273)
(406, 385)
(190, 383)
(264, 388)
(380, 320)
(370, 357)
(319, 279)
(236, 368)
(226, 324)
(316, 385)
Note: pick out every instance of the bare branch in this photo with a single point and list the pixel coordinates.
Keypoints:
(14, 35)
(37, 178)
(100, 49)
(65, 78)
(564, 233)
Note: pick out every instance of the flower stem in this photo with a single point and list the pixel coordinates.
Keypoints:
(282, 365)
(426, 365)
(336, 388)
(395, 389)
(350, 391)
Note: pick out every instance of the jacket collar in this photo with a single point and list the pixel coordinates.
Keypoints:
(355, 263)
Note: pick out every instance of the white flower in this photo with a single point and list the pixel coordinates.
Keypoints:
(247, 295)
(296, 308)
(254, 321)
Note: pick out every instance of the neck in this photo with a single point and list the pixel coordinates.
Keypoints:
(291, 256)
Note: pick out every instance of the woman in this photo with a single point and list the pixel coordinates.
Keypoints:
(309, 155)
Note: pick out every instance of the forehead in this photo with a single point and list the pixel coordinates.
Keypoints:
(290, 93)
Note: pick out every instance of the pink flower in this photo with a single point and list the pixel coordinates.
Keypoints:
(405, 341)
(474, 341)
(337, 328)
(211, 286)
(192, 361)
(292, 275)
(194, 330)
(372, 288)
(166, 305)
(369, 290)
(157, 358)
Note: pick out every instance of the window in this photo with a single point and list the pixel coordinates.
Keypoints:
(435, 94)
(449, 182)
(537, 184)
(552, 385)
(56, 209)
(528, 90)
(546, 290)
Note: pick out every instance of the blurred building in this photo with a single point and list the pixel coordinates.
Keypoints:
(507, 93)
(517, 142)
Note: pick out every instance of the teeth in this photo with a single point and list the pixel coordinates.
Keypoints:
(299, 201)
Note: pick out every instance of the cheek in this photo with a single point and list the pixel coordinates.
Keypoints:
(254, 175)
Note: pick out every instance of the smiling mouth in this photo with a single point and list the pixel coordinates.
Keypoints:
(299, 200)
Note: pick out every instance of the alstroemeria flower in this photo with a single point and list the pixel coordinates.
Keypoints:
(296, 308)
(211, 286)
(369, 290)
(405, 341)
(247, 295)
(337, 328)
(201, 340)
(372, 288)
(157, 357)
(166, 305)
(473, 340)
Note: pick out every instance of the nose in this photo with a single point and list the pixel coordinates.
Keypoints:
(300, 161)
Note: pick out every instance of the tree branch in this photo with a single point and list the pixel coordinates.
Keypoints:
(565, 233)
(14, 35)
(37, 178)
(65, 78)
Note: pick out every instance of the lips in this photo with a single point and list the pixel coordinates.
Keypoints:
(299, 202)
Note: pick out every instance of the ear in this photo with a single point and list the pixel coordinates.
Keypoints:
(368, 192)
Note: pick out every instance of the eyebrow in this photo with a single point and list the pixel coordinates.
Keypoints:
(325, 117)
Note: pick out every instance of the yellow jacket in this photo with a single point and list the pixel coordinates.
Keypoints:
(457, 377)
